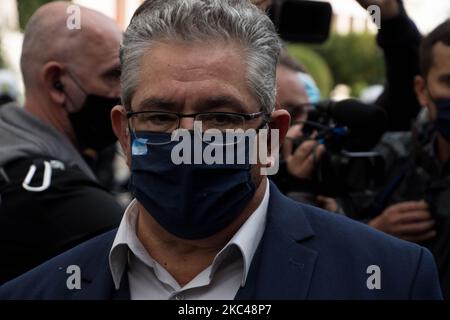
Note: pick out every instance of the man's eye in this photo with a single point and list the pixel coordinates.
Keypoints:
(221, 119)
(159, 118)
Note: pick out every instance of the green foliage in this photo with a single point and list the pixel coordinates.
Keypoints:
(315, 65)
(2, 62)
(354, 59)
(27, 8)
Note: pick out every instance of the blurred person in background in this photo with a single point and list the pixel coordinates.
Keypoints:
(51, 199)
(295, 177)
(399, 40)
(415, 204)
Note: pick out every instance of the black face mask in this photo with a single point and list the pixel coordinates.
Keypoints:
(92, 124)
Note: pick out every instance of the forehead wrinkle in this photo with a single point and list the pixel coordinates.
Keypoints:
(191, 60)
(170, 68)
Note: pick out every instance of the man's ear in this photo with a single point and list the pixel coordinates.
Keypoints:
(50, 76)
(280, 120)
(279, 125)
(423, 95)
(120, 128)
(421, 90)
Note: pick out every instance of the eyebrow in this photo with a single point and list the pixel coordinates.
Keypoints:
(220, 102)
(204, 105)
(159, 104)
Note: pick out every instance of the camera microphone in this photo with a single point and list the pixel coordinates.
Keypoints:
(366, 122)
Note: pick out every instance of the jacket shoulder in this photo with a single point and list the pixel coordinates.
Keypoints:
(50, 279)
(353, 234)
(407, 270)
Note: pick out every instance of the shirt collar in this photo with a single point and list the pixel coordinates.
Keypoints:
(126, 240)
(246, 239)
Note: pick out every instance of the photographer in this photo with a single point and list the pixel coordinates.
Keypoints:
(298, 162)
(415, 205)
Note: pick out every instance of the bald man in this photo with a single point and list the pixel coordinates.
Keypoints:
(51, 200)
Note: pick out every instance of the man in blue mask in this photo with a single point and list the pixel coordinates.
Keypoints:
(217, 230)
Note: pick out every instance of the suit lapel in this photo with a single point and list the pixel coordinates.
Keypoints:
(124, 291)
(282, 267)
(96, 281)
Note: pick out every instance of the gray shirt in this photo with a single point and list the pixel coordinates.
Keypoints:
(219, 281)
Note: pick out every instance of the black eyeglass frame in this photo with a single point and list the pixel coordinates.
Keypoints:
(180, 116)
(247, 117)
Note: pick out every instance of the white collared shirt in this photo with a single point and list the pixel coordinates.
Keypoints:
(148, 280)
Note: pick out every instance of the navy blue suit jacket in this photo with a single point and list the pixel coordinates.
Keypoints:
(305, 253)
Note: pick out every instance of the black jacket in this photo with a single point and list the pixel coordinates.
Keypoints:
(38, 225)
(400, 39)
(414, 173)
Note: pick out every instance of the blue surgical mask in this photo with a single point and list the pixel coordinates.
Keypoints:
(443, 117)
(312, 91)
(190, 201)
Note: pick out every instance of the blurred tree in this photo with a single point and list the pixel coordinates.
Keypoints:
(315, 65)
(27, 8)
(354, 59)
(2, 62)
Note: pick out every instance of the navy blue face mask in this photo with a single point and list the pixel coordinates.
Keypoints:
(443, 117)
(190, 201)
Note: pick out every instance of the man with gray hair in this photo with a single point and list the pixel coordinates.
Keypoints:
(217, 231)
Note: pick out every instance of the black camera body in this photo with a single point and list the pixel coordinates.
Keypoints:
(349, 129)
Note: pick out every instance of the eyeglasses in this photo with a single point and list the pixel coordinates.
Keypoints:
(167, 122)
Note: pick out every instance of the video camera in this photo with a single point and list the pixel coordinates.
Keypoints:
(349, 129)
(302, 20)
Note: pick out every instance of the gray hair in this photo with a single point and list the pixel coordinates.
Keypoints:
(200, 21)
